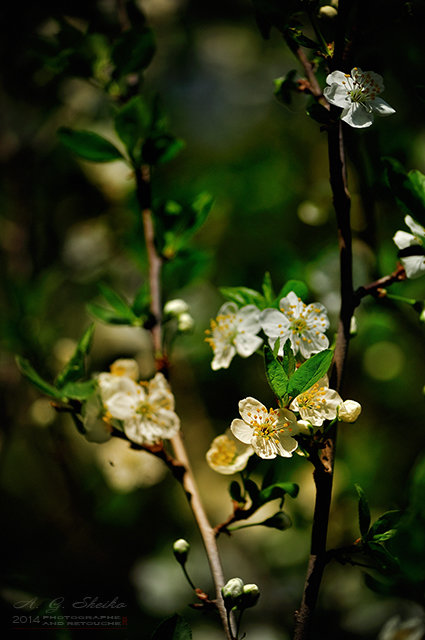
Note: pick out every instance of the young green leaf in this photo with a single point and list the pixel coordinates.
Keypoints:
(132, 122)
(173, 628)
(243, 296)
(133, 51)
(297, 36)
(408, 188)
(31, 374)
(364, 512)
(299, 288)
(385, 525)
(159, 148)
(267, 287)
(106, 316)
(276, 376)
(235, 491)
(278, 490)
(79, 390)
(117, 303)
(75, 368)
(89, 145)
(309, 372)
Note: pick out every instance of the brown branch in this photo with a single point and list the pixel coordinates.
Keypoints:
(324, 465)
(312, 84)
(180, 466)
(375, 288)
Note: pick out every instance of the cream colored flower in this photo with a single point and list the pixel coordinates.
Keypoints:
(268, 432)
(304, 325)
(146, 410)
(233, 332)
(317, 404)
(227, 454)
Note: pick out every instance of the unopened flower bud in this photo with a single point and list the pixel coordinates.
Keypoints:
(250, 596)
(126, 367)
(280, 521)
(175, 307)
(327, 11)
(181, 549)
(353, 326)
(185, 322)
(232, 592)
(349, 411)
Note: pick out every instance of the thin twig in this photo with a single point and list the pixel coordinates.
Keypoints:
(180, 465)
(375, 288)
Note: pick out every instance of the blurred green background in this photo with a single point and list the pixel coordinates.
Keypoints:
(85, 520)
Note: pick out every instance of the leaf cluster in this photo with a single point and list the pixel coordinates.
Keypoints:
(267, 298)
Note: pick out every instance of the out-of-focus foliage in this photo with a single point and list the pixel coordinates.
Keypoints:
(84, 520)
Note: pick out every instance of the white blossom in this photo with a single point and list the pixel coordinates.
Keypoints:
(185, 322)
(414, 265)
(357, 94)
(175, 307)
(146, 410)
(349, 411)
(317, 404)
(396, 629)
(233, 332)
(303, 325)
(227, 454)
(268, 432)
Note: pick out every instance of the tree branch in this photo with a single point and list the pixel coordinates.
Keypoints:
(180, 466)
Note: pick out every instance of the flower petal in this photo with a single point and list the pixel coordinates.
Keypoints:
(416, 228)
(285, 446)
(336, 77)
(264, 448)
(252, 411)
(247, 343)
(414, 266)
(402, 239)
(273, 322)
(357, 116)
(337, 94)
(241, 430)
(223, 357)
(248, 319)
(381, 107)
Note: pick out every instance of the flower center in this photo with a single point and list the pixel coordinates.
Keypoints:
(313, 398)
(299, 325)
(361, 88)
(144, 409)
(266, 428)
(224, 453)
(223, 329)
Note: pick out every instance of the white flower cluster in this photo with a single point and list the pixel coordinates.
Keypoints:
(271, 433)
(143, 410)
(235, 330)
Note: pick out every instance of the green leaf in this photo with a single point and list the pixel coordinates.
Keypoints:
(105, 315)
(243, 296)
(117, 303)
(235, 491)
(284, 87)
(267, 287)
(89, 145)
(297, 36)
(384, 525)
(159, 148)
(173, 628)
(75, 369)
(364, 512)
(141, 301)
(132, 122)
(31, 374)
(299, 288)
(278, 490)
(202, 206)
(288, 361)
(276, 376)
(408, 188)
(385, 561)
(309, 372)
(79, 390)
(133, 52)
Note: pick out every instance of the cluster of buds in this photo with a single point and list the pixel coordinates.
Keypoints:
(179, 309)
(237, 595)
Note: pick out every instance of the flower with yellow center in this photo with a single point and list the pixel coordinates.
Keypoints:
(357, 94)
(146, 410)
(317, 404)
(411, 245)
(233, 332)
(303, 325)
(268, 432)
(228, 455)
